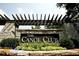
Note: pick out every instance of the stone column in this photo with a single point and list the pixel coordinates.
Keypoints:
(9, 27)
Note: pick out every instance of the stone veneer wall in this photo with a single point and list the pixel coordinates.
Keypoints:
(8, 31)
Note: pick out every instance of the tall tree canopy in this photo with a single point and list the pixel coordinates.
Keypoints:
(72, 8)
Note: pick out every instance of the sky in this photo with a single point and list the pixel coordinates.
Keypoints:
(30, 8)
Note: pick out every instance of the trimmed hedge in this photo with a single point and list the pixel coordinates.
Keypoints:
(9, 42)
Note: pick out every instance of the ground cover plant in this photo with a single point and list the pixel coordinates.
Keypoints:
(37, 46)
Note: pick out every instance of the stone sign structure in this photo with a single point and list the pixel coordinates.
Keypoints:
(11, 27)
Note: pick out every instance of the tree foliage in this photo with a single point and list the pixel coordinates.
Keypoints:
(72, 8)
(53, 26)
(67, 43)
(36, 27)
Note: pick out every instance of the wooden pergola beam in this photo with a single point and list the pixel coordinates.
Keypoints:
(37, 19)
(2, 17)
(25, 22)
(41, 17)
(47, 23)
(41, 22)
(55, 21)
(14, 17)
(7, 17)
(17, 23)
(21, 17)
(44, 19)
(37, 16)
(32, 16)
(32, 21)
(52, 19)
(48, 17)
(63, 19)
(37, 22)
(59, 20)
(29, 17)
(17, 17)
(25, 17)
(29, 21)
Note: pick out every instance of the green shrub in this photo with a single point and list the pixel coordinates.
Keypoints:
(35, 46)
(76, 42)
(68, 43)
(19, 47)
(10, 43)
(49, 48)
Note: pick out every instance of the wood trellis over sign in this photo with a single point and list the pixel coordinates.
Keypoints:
(23, 20)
